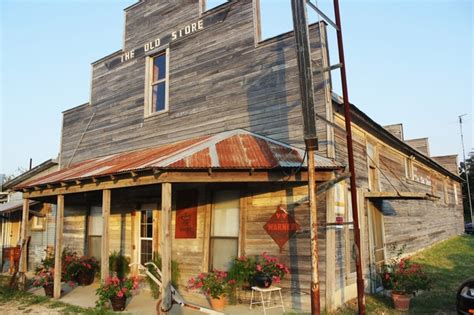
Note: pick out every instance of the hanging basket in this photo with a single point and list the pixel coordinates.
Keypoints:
(85, 278)
(49, 289)
(262, 280)
(118, 303)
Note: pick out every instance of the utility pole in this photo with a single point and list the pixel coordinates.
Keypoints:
(300, 24)
(350, 153)
(465, 167)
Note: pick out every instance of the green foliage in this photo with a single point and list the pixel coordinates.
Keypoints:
(214, 283)
(119, 265)
(155, 289)
(244, 268)
(80, 265)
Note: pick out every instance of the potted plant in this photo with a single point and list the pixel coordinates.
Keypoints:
(259, 271)
(407, 278)
(44, 277)
(82, 270)
(116, 291)
(215, 285)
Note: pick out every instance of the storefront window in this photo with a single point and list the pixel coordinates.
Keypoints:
(224, 229)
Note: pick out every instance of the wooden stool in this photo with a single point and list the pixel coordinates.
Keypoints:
(266, 303)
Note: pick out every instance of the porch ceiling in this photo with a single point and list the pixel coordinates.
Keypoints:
(230, 154)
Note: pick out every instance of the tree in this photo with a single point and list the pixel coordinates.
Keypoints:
(469, 169)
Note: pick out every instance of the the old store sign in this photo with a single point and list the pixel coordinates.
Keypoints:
(176, 34)
(281, 226)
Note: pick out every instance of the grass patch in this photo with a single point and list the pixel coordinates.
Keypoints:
(448, 264)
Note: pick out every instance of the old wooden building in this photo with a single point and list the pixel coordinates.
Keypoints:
(192, 138)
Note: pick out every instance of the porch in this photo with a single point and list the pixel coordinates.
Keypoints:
(199, 202)
(143, 303)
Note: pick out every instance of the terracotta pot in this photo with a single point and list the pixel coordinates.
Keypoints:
(85, 278)
(218, 304)
(401, 301)
(118, 303)
(49, 289)
(262, 280)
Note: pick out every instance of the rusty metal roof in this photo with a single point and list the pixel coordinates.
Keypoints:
(237, 149)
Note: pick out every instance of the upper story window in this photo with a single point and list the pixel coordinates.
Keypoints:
(156, 87)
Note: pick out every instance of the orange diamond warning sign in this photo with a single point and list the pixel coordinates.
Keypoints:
(281, 226)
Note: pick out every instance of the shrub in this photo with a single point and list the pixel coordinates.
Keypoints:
(113, 286)
(119, 265)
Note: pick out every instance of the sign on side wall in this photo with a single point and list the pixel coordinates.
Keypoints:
(281, 226)
(186, 214)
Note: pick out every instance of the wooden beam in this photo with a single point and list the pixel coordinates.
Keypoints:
(104, 265)
(165, 240)
(24, 235)
(58, 246)
(181, 177)
(401, 195)
(330, 248)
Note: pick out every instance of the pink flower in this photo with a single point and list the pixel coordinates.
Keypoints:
(276, 279)
(120, 294)
(259, 267)
(124, 290)
(232, 281)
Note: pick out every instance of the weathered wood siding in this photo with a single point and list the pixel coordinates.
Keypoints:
(419, 223)
(262, 203)
(219, 80)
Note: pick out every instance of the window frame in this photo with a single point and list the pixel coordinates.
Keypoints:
(38, 223)
(212, 237)
(148, 99)
(140, 237)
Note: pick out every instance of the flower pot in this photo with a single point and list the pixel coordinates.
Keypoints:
(262, 280)
(401, 301)
(118, 303)
(49, 289)
(85, 278)
(218, 304)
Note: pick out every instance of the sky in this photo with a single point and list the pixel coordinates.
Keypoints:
(408, 61)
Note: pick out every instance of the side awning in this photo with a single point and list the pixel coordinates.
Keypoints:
(17, 205)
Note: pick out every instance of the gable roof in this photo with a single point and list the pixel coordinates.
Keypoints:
(236, 149)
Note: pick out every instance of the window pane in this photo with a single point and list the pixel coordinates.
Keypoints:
(225, 217)
(158, 100)
(95, 221)
(159, 68)
(145, 251)
(223, 251)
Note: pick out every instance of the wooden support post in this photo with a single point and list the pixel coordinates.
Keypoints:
(104, 264)
(165, 241)
(24, 243)
(24, 235)
(58, 247)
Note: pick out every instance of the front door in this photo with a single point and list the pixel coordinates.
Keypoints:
(145, 236)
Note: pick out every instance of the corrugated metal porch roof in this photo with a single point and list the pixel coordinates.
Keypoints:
(237, 149)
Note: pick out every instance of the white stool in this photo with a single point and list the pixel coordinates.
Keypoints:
(266, 303)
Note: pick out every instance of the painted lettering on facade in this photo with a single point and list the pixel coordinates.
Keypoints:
(156, 43)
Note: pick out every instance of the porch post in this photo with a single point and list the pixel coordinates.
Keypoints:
(165, 239)
(104, 266)
(58, 247)
(24, 244)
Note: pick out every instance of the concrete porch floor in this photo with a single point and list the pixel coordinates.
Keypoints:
(144, 304)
